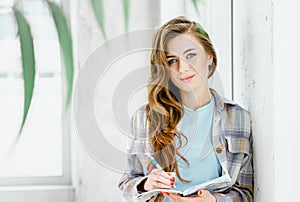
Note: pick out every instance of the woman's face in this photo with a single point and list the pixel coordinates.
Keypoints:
(188, 63)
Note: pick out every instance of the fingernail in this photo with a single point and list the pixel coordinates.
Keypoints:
(200, 193)
(173, 186)
(172, 183)
(167, 193)
(172, 179)
(161, 193)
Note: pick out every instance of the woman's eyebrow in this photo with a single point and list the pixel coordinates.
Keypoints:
(170, 56)
(188, 50)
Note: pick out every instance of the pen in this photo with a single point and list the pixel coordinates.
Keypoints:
(155, 162)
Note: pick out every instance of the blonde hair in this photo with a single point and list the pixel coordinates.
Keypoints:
(164, 109)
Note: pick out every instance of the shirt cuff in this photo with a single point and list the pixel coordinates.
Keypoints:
(137, 184)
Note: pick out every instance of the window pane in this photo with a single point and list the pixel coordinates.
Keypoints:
(7, 24)
(6, 3)
(39, 151)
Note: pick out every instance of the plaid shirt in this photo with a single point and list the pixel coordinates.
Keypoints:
(232, 141)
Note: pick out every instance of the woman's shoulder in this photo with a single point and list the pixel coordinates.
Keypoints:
(238, 123)
(237, 128)
(235, 108)
(236, 116)
(140, 112)
(230, 106)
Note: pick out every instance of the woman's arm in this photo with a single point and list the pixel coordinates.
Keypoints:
(135, 178)
(131, 179)
(133, 174)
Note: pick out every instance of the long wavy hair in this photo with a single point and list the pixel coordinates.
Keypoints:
(164, 109)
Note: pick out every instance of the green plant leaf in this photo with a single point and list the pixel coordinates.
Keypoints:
(195, 2)
(65, 42)
(126, 6)
(28, 61)
(98, 9)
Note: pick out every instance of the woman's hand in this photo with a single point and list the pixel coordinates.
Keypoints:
(158, 179)
(202, 196)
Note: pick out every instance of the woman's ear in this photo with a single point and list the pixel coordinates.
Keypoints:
(210, 65)
(210, 60)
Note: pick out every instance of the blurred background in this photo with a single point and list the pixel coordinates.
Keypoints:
(44, 45)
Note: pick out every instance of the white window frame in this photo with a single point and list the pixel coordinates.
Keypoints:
(52, 188)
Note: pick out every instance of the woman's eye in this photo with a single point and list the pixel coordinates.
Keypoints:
(190, 55)
(172, 61)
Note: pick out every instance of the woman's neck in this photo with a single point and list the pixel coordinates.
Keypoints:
(196, 99)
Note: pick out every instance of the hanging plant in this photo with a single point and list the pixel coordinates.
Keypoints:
(98, 9)
(195, 3)
(65, 42)
(28, 55)
(126, 6)
(28, 61)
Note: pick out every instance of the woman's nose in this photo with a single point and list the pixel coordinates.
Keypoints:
(183, 65)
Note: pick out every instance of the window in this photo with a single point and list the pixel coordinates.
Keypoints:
(41, 156)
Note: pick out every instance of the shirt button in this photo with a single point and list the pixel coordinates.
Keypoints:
(219, 149)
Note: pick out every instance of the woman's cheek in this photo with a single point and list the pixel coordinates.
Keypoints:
(173, 77)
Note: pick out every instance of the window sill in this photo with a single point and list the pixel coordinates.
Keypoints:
(57, 193)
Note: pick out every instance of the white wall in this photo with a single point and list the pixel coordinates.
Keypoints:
(266, 71)
(254, 84)
(286, 99)
(95, 182)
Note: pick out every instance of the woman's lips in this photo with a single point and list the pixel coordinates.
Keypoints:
(188, 78)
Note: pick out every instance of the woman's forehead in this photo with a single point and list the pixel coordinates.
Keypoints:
(181, 43)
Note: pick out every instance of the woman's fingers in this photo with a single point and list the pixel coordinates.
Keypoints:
(159, 179)
(163, 173)
(163, 179)
(176, 198)
(202, 196)
(200, 193)
(173, 197)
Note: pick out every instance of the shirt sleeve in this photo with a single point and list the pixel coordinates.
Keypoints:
(133, 174)
(242, 190)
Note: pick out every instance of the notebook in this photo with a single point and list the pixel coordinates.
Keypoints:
(218, 183)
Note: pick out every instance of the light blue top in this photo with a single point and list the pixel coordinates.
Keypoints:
(204, 165)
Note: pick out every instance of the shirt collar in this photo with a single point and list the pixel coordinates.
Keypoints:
(220, 101)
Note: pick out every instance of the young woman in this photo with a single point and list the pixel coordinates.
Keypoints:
(192, 132)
